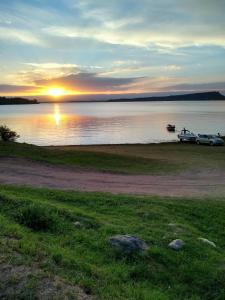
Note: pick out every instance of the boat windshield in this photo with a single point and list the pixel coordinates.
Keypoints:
(186, 131)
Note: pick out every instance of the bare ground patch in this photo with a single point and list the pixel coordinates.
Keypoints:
(24, 282)
(38, 174)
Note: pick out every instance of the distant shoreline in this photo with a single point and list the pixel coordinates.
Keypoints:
(206, 96)
(122, 101)
(16, 101)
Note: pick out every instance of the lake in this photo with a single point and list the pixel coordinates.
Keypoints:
(111, 123)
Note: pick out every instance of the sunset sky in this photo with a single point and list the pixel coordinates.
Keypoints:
(64, 47)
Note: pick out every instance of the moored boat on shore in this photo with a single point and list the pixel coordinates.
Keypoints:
(187, 136)
(171, 128)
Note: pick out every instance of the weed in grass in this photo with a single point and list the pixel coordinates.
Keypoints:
(37, 217)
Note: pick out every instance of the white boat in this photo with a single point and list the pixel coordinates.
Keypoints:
(187, 136)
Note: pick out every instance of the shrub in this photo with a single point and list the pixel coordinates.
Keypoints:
(38, 217)
(6, 134)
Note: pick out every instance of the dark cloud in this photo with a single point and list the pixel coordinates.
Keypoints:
(90, 82)
(190, 87)
(7, 89)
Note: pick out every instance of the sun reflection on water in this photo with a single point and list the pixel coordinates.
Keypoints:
(57, 115)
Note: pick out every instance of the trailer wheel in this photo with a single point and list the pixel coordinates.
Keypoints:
(181, 140)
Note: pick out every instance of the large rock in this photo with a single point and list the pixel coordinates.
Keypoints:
(128, 243)
(176, 244)
(207, 242)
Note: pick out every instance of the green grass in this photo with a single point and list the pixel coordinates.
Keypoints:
(167, 158)
(134, 159)
(89, 159)
(183, 155)
(83, 256)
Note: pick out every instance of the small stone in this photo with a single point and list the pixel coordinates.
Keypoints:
(176, 244)
(207, 242)
(77, 224)
(128, 243)
(172, 224)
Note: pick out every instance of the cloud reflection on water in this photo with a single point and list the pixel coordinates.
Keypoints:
(105, 123)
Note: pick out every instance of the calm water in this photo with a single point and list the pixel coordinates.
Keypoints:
(105, 123)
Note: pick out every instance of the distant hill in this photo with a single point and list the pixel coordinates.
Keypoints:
(186, 97)
(10, 101)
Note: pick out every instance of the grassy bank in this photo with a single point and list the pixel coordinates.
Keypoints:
(49, 241)
(135, 159)
(182, 155)
(93, 160)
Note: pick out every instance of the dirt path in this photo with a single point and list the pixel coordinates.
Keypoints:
(26, 172)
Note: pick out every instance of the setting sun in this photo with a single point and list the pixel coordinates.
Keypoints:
(56, 92)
